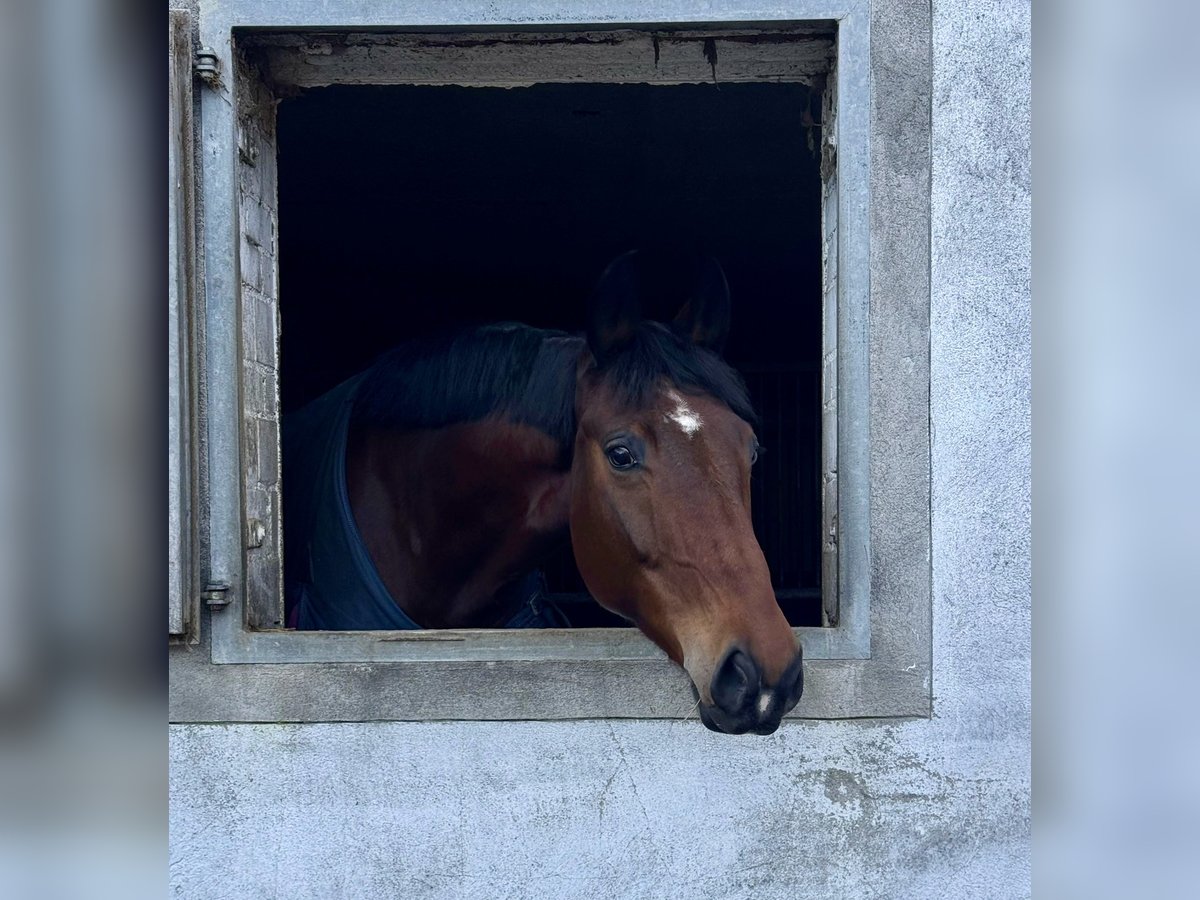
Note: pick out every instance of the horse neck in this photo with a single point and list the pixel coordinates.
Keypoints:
(450, 515)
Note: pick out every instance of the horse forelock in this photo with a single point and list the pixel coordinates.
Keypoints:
(655, 354)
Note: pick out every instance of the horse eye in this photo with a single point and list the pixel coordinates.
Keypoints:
(755, 451)
(620, 457)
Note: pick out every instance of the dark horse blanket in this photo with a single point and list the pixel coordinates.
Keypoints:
(331, 581)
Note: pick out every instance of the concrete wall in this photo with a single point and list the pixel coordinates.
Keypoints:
(918, 808)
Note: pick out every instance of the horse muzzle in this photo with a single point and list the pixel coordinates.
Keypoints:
(742, 701)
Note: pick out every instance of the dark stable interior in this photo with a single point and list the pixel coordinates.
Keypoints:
(409, 209)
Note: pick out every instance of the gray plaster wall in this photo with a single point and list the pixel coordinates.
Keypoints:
(924, 808)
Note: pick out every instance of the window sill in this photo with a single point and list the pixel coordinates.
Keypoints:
(646, 686)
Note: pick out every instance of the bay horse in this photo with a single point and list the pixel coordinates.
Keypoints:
(424, 491)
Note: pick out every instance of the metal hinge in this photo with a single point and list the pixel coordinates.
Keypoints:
(215, 595)
(208, 66)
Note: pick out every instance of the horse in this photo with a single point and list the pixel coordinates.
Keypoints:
(423, 492)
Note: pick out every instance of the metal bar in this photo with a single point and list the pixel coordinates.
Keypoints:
(287, 646)
(181, 598)
(418, 15)
(222, 370)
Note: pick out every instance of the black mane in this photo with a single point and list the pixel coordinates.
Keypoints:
(527, 375)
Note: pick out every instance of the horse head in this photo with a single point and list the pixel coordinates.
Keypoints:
(660, 504)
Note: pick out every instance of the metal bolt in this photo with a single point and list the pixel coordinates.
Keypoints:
(215, 595)
(208, 66)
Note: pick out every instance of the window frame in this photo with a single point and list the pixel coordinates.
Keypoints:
(873, 661)
(182, 589)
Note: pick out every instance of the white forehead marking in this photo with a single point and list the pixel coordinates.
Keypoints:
(683, 415)
(764, 702)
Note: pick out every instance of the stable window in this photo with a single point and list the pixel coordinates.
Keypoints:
(414, 209)
(382, 199)
(513, 164)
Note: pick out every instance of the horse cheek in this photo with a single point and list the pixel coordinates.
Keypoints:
(594, 548)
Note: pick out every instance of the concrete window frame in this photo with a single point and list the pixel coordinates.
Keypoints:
(874, 660)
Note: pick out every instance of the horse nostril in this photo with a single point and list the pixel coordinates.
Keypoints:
(791, 683)
(735, 683)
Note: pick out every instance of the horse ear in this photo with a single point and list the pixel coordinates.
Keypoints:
(614, 311)
(705, 318)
